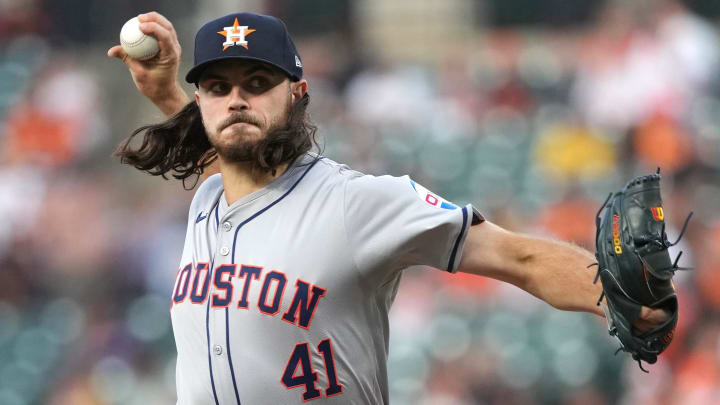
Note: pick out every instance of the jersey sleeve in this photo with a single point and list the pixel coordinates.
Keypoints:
(393, 223)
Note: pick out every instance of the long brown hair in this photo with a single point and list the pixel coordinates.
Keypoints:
(180, 145)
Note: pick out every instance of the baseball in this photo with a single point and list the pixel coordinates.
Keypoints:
(135, 43)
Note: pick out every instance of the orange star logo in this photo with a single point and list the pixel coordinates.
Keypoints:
(235, 35)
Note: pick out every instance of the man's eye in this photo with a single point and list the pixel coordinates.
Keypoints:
(258, 83)
(218, 88)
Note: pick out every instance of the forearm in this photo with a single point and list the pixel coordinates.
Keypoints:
(557, 273)
(171, 100)
(553, 271)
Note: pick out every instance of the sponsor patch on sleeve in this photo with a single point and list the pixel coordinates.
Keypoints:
(431, 198)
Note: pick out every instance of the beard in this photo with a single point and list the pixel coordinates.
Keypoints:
(289, 135)
(246, 147)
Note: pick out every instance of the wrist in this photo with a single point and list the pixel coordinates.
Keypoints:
(170, 99)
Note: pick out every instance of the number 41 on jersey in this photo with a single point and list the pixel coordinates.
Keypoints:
(300, 358)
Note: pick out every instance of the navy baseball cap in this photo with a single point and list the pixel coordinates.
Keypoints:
(246, 36)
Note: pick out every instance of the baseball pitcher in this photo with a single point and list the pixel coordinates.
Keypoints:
(291, 261)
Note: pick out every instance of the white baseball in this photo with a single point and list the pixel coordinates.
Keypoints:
(135, 43)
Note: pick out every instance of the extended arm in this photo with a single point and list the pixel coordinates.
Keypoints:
(554, 271)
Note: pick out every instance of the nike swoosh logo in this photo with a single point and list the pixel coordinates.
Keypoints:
(200, 217)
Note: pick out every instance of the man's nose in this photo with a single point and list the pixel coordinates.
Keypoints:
(238, 99)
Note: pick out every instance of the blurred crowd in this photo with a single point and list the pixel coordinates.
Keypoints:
(533, 122)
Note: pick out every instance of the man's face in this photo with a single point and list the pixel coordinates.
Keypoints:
(241, 101)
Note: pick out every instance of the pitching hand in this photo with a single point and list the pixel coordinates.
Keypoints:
(156, 78)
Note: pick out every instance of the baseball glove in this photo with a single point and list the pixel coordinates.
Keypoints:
(635, 268)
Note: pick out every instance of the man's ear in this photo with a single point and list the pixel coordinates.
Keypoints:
(298, 89)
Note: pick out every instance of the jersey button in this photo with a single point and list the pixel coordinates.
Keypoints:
(218, 350)
(224, 250)
(227, 226)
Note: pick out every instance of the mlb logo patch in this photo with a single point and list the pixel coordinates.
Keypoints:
(431, 198)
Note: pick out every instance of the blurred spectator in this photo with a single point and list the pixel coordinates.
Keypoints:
(58, 122)
(22, 17)
(641, 61)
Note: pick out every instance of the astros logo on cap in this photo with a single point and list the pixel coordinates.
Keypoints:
(235, 35)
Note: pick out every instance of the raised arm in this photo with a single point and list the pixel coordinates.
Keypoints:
(156, 78)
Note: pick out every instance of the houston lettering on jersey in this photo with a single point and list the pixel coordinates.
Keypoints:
(196, 280)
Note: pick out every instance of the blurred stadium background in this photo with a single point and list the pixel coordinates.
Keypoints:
(532, 111)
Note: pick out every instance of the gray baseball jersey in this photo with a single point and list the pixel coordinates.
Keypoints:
(283, 296)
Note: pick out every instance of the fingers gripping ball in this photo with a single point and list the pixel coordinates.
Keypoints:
(135, 43)
(635, 267)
